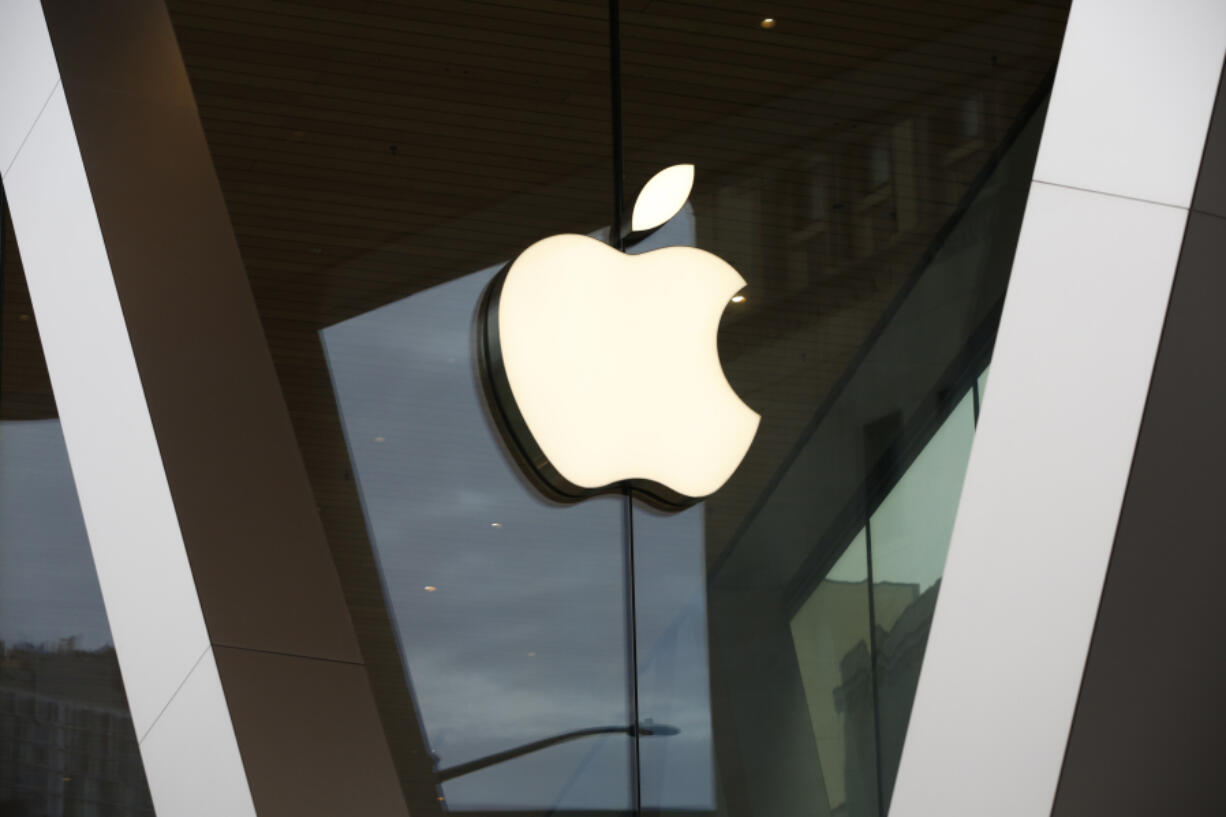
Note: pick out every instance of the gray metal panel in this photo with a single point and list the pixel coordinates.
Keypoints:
(1132, 101)
(1149, 735)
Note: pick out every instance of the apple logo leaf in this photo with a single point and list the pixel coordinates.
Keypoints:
(662, 197)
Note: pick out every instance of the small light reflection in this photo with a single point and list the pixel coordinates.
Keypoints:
(429, 588)
(380, 439)
(738, 299)
(768, 22)
(495, 524)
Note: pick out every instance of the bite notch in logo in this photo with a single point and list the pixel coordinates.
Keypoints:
(602, 368)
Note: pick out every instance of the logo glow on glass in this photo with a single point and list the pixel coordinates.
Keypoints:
(603, 367)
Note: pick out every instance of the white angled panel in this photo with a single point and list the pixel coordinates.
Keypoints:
(28, 73)
(138, 550)
(191, 755)
(1133, 95)
(1038, 513)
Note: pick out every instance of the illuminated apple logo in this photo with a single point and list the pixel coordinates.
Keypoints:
(602, 368)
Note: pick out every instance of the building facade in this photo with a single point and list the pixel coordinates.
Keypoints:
(271, 544)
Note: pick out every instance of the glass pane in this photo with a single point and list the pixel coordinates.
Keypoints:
(865, 168)
(67, 744)
(834, 652)
(910, 533)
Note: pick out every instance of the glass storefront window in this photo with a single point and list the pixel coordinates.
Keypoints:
(863, 167)
(67, 742)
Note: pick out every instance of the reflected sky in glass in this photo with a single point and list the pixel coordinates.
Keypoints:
(48, 589)
(510, 608)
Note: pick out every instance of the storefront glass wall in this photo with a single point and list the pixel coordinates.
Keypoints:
(864, 166)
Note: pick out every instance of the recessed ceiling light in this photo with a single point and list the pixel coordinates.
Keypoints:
(768, 22)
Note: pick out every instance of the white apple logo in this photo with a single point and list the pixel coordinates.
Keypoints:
(604, 366)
